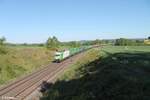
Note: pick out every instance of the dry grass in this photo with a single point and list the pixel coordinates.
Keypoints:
(19, 61)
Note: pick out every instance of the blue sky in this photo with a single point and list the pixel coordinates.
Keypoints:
(34, 21)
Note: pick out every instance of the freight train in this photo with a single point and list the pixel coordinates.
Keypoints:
(61, 55)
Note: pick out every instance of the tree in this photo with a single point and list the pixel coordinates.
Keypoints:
(2, 47)
(74, 44)
(125, 42)
(119, 41)
(52, 43)
(2, 40)
(149, 37)
(96, 42)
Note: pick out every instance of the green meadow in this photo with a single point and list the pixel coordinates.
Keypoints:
(107, 73)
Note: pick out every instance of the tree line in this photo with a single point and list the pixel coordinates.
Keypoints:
(128, 42)
(54, 43)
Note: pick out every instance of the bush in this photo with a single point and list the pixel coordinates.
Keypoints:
(10, 72)
(3, 50)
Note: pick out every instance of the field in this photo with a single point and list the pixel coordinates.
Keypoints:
(111, 73)
(116, 49)
(21, 60)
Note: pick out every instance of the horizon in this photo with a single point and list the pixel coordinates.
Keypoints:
(33, 21)
(105, 37)
(73, 40)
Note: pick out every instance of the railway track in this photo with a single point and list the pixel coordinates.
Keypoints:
(23, 87)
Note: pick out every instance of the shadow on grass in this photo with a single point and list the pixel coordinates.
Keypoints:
(119, 76)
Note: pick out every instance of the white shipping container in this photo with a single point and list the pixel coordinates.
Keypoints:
(66, 54)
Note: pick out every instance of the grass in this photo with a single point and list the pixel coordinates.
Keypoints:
(119, 73)
(71, 73)
(22, 60)
(116, 49)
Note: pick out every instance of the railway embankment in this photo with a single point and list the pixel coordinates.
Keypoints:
(19, 61)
